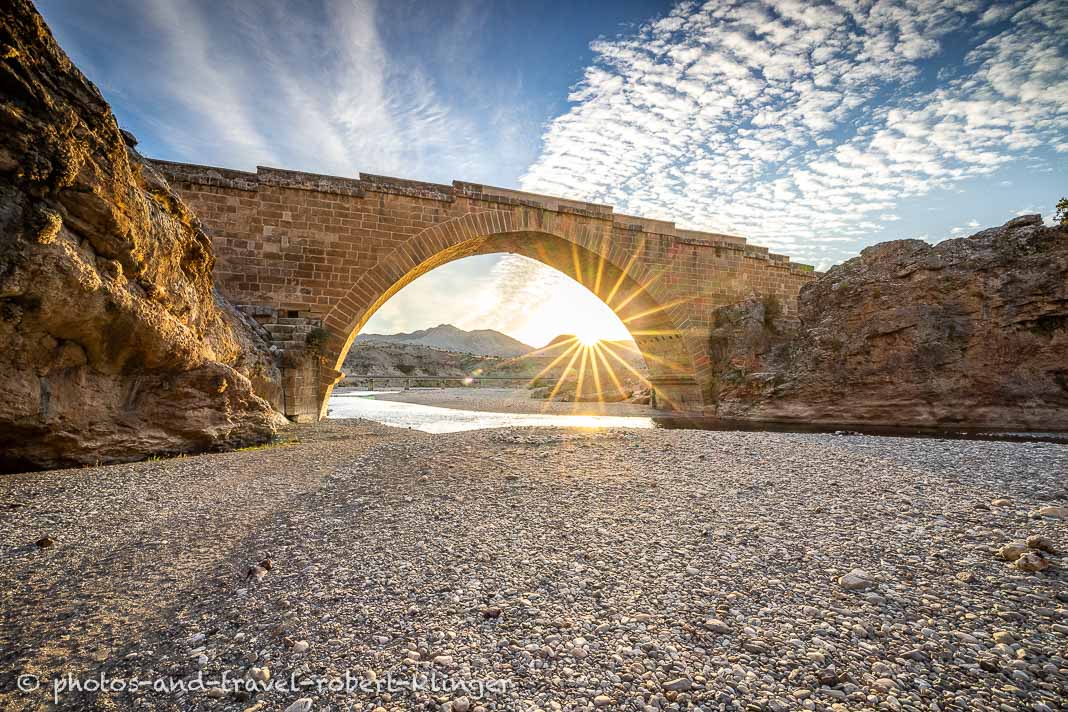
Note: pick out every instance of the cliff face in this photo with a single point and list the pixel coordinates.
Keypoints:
(115, 344)
(969, 332)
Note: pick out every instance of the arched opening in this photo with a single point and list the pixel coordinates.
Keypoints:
(511, 327)
(624, 286)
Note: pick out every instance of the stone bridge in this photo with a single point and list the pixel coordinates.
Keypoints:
(312, 257)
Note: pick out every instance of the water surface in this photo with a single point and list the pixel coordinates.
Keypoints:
(432, 419)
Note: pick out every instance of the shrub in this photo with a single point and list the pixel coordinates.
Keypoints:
(316, 339)
(772, 311)
(1062, 212)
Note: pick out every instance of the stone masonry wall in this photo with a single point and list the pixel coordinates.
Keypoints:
(331, 250)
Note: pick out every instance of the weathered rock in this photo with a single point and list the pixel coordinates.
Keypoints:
(679, 684)
(1053, 512)
(1041, 543)
(969, 332)
(1003, 637)
(1032, 563)
(116, 345)
(717, 626)
(1012, 551)
(856, 580)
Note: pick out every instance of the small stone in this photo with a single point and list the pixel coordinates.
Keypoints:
(300, 647)
(45, 542)
(717, 626)
(965, 576)
(216, 693)
(679, 684)
(443, 660)
(856, 580)
(1004, 637)
(461, 704)
(302, 705)
(1031, 563)
(802, 694)
(1052, 512)
(1012, 551)
(261, 674)
(602, 701)
(1001, 502)
(1041, 543)
(491, 612)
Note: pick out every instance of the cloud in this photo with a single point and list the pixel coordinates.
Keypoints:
(797, 124)
(304, 85)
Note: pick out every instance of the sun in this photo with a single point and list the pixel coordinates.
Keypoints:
(588, 338)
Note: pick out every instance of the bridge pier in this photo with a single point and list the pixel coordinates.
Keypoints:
(299, 357)
(680, 393)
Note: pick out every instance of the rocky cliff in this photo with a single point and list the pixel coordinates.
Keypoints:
(115, 344)
(968, 332)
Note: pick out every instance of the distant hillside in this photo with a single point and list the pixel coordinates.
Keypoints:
(482, 342)
(406, 359)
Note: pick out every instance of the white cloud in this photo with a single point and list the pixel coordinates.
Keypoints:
(796, 124)
(284, 84)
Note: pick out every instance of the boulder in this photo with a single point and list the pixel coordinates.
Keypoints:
(116, 344)
(971, 332)
(856, 580)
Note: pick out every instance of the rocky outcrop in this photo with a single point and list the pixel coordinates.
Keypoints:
(968, 332)
(115, 344)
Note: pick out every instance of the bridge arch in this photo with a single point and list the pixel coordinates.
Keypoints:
(576, 248)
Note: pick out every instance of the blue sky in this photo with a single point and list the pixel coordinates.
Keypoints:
(815, 128)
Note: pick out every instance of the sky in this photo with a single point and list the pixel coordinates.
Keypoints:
(813, 128)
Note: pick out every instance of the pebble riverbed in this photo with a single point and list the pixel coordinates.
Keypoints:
(549, 569)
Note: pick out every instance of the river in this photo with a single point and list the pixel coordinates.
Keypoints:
(432, 419)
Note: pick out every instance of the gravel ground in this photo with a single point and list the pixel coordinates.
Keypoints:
(511, 400)
(614, 569)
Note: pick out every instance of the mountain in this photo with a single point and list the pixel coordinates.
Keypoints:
(446, 337)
